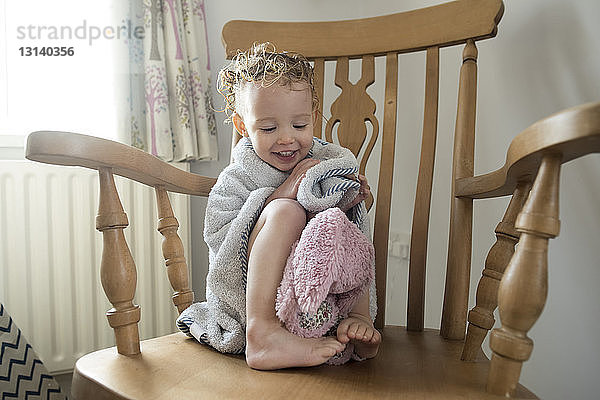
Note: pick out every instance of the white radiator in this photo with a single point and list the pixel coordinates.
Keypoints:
(50, 259)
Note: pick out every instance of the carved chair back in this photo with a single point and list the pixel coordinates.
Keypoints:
(353, 111)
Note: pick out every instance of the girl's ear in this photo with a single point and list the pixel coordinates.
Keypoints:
(238, 122)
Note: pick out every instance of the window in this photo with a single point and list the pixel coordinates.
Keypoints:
(64, 66)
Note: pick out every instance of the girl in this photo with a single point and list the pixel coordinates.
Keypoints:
(273, 104)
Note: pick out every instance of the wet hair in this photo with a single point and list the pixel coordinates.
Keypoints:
(263, 65)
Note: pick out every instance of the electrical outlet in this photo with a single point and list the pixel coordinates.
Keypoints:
(399, 245)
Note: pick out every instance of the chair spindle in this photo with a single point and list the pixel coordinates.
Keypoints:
(523, 289)
(117, 268)
(420, 225)
(456, 295)
(481, 317)
(172, 248)
(384, 185)
(319, 82)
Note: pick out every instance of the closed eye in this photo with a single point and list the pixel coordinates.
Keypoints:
(300, 126)
(268, 129)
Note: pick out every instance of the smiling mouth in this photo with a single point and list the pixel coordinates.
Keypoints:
(286, 154)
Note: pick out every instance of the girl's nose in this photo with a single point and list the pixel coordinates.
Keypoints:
(285, 137)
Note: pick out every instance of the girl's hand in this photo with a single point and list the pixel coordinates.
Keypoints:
(363, 193)
(289, 188)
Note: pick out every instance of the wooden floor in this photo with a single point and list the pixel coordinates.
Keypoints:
(409, 366)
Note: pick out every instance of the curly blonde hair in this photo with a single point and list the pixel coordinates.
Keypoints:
(262, 64)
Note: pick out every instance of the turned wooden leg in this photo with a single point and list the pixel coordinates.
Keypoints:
(172, 249)
(456, 292)
(117, 269)
(523, 289)
(481, 317)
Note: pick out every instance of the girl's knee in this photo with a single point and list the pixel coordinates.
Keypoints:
(286, 211)
(282, 217)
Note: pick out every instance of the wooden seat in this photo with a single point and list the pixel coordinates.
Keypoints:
(176, 367)
(413, 362)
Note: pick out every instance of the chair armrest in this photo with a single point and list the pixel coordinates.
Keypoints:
(64, 148)
(573, 133)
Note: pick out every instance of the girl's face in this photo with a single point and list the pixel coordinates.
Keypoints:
(279, 122)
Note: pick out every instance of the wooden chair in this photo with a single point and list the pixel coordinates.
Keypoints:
(413, 362)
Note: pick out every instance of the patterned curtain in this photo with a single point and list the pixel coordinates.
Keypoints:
(171, 114)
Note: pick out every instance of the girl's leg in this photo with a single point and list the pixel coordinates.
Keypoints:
(268, 344)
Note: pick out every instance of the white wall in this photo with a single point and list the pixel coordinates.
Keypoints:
(545, 58)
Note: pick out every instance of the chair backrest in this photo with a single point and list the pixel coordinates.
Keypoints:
(428, 29)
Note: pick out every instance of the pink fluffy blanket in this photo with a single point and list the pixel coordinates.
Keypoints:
(329, 268)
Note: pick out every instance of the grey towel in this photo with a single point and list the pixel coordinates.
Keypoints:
(234, 205)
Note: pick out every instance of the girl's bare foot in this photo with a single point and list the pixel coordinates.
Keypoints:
(271, 346)
(360, 331)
